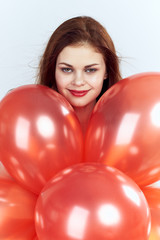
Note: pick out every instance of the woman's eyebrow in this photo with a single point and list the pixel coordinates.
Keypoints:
(87, 66)
(63, 63)
(91, 65)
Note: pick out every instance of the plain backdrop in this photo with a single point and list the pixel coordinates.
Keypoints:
(25, 27)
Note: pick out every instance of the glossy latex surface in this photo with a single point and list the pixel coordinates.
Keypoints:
(4, 173)
(124, 131)
(39, 135)
(16, 212)
(153, 198)
(92, 201)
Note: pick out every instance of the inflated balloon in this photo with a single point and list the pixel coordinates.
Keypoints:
(40, 135)
(155, 184)
(124, 130)
(4, 173)
(16, 212)
(153, 198)
(91, 201)
(35, 238)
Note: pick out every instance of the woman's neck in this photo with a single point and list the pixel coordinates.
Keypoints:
(84, 114)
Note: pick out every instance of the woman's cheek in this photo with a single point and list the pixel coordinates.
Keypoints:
(61, 80)
(96, 80)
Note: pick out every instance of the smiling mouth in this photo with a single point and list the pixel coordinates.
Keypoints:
(78, 93)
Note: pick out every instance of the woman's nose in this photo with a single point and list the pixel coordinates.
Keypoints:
(78, 79)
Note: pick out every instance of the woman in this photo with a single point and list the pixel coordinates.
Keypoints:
(80, 62)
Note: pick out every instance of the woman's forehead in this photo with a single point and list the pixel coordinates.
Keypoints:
(80, 53)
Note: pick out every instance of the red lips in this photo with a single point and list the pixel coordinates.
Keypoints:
(79, 93)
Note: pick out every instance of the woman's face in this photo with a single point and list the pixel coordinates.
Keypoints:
(80, 72)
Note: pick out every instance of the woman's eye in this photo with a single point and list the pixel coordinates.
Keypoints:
(66, 70)
(91, 70)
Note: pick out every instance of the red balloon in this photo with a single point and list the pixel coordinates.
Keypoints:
(91, 201)
(4, 173)
(16, 212)
(40, 135)
(153, 197)
(124, 130)
(35, 238)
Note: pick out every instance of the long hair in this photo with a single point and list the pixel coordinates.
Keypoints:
(79, 30)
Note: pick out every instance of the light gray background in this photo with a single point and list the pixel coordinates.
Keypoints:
(26, 25)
